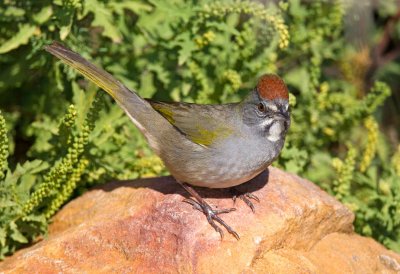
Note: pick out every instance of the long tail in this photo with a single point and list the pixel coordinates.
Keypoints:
(97, 75)
(137, 108)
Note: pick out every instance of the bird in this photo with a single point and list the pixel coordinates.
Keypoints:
(204, 145)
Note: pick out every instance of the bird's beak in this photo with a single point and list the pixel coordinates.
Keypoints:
(282, 115)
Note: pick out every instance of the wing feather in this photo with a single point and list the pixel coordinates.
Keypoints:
(202, 124)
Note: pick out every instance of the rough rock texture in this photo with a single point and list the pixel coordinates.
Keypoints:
(144, 227)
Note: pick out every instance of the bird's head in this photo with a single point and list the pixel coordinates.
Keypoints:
(266, 109)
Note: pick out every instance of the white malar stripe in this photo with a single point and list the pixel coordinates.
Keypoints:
(267, 122)
(275, 132)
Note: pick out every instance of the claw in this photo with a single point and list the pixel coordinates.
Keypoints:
(252, 196)
(211, 214)
(245, 197)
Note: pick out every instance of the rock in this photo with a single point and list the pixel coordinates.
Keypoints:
(143, 226)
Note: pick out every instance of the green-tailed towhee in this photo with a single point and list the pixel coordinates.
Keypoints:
(214, 146)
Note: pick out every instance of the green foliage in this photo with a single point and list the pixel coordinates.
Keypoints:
(69, 139)
(3, 147)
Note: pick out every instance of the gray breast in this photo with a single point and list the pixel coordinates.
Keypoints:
(235, 161)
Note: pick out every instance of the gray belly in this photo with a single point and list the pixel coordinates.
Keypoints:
(232, 164)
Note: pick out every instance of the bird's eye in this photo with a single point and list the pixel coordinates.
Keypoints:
(261, 107)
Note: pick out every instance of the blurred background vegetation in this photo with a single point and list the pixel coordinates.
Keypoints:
(59, 136)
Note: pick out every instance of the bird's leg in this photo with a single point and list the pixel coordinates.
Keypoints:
(211, 214)
(245, 197)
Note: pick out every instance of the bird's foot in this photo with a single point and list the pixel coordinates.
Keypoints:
(212, 216)
(245, 197)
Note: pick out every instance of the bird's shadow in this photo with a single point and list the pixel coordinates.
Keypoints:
(168, 185)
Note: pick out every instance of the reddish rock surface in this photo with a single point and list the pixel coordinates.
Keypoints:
(143, 226)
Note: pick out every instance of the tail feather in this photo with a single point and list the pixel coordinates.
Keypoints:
(149, 121)
(97, 75)
(135, 106)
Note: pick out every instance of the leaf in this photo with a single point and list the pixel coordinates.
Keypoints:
(43, 15)
(35, 218)
(32, 167)
(3, 236)
(22, 178)
(83, 100)
(16, 235)
(160, 71)
(130, 5)
(299, 78)
(187, 47)
(223, 27)
(175, 10)
(12, 11)
(65, 30)
(103, 18)
(21, 38)
(147, 88)
(6, 203)
(65, 17)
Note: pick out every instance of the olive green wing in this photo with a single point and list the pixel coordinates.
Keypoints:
(202, 124)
